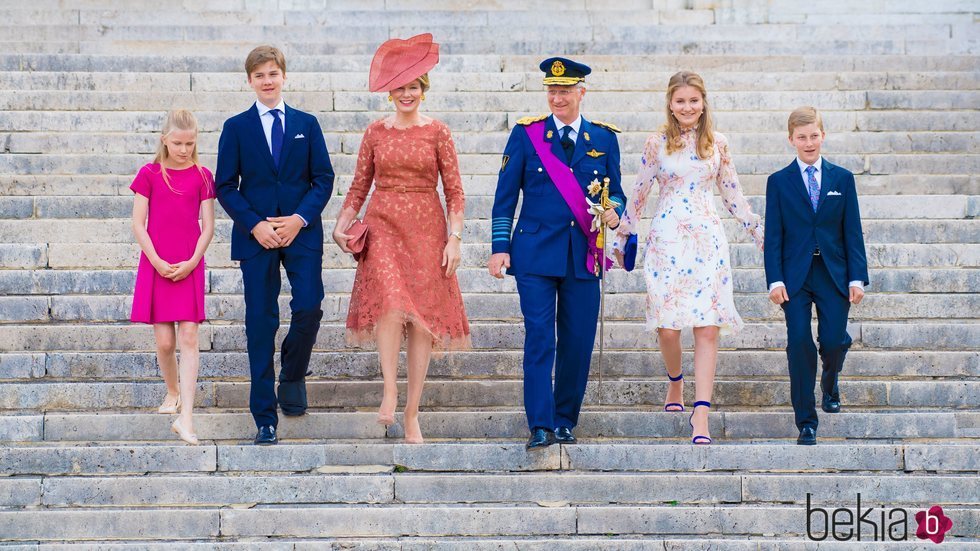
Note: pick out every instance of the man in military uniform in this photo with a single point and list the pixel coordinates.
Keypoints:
(557, 161)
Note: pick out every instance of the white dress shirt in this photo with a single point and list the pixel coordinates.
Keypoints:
(573, 134)
(267, 119)
(806, 187)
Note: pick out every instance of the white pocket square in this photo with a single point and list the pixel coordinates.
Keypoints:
(829, 193)
(298, 136)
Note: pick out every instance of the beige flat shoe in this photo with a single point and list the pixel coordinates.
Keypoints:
(168, 409)
(179, 430)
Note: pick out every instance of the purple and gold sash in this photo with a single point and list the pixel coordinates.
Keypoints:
(571, 192)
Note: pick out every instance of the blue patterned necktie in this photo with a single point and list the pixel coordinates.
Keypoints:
(277, 133)
(812, 186)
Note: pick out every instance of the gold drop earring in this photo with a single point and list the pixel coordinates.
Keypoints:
(423, 97)
(390, 99)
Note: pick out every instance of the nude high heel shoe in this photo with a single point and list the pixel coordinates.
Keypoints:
(170, 410)
(184, 435)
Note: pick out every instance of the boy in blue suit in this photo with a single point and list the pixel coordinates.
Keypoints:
(556, 161)
(814, 255)
(274, 178)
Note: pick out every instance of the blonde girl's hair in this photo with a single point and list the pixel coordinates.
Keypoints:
(705, 130)
(178, 119)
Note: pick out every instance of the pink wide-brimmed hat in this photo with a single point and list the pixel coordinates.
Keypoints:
(398, 62)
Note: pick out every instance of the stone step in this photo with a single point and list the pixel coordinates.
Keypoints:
(462, 394)
(226, 337)
(507, 364)
(69, 459)
(492, 82)
(493, 143)
(157, 62)
(489, 163)
(494, 488)
(539, 543)
(448, 26)
(944, 220)
(324, 99)
(106, 426)
(422, 520)
(105, 255)
(761, 120)
(365, 40)
(479, 306)
(84, 185)
(471, 280)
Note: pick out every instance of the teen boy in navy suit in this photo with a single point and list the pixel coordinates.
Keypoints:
(274, 178)
(814, 255)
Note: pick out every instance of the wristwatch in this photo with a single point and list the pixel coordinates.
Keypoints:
(457, 235)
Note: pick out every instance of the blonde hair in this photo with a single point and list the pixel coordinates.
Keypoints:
(424, 81)
(802, 116)
(672, 129)
(178, 119)
(264, 54)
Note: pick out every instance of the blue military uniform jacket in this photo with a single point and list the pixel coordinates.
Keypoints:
(546, 228)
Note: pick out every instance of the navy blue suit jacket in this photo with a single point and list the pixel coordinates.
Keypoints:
(794, 231)
(544, 230)
(250, 187)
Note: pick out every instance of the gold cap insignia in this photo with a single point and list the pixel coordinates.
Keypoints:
(558, 68)
(594, 154)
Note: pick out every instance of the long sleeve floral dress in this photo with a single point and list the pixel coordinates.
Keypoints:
(687, 268)
(401, 270)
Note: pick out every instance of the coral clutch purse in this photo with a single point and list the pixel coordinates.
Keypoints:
(358, 232)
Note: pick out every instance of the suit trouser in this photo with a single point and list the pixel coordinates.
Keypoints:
(260, 275)
(832, 308)
(571, 306)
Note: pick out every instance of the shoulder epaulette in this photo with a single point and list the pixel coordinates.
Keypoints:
(524, 121)
(608, 126)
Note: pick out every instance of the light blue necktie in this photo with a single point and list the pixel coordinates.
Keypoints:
(812, 186)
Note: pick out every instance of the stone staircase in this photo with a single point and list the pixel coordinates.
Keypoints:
(86, 464)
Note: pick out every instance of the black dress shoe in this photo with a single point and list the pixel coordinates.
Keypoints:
(266, 436)
(808, 437)
(540, 438)
(830, 405)
(292, 397)
(563, 435)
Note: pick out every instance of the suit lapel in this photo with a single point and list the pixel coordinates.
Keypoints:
(555, 139)
(799, 184)
(580, 145)
(259, 136)
(288, 137)
(827, 183)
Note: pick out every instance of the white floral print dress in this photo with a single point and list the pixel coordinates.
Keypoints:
(687, 267)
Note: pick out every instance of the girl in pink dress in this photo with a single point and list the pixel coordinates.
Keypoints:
(172, 192)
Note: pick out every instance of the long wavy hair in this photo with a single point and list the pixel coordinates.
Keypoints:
(178, 119)
(705, 130)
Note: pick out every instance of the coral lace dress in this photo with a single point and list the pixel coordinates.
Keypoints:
(400, 272)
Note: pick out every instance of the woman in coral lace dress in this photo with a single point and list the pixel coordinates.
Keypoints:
(687, 268)
(406, 276)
